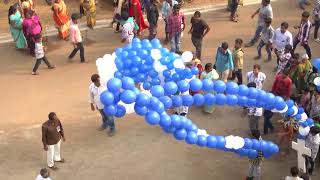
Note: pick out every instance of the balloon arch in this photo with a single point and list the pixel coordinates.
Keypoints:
(164, 78)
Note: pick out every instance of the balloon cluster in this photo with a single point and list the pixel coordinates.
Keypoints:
(316, 64)
(164, 79)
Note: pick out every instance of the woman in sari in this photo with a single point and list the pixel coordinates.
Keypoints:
(211, 74)
(15, 21)
(136, 12)
(89, 7)
(31, 28)
(61, 18)
(303, 68)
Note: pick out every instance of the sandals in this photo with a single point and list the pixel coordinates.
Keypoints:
(34, 73)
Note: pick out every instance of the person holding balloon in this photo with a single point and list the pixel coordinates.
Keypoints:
(95, 91)
(210, 74)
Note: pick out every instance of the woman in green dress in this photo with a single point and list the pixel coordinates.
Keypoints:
(209, 73)
(15, 22)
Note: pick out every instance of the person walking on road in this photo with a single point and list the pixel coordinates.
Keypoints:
(52, 133)
(199, 29)
(76, 38)
(265, 11)
(175, 28)
(152, 16)
(95, 90)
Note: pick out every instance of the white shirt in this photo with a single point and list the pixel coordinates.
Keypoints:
(264, 12)
(258, 80)
(254, 111)
(94, 95)
(127, 31)
(39, 52)
(293, 178)
(39, 177)
(75, 33)
(282, 39)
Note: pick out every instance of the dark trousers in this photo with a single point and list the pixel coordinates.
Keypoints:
(309, 165)
(234, 8)
(305, 46)
(107, 120)
(257, 35)
(267, 125)
(38, 62)
(31, 45)
(197, 42)
(75, 50)
(316, 28)
(260, 46)
(237, 74)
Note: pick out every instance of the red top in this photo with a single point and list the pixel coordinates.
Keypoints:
(139, 18)
(282, 86)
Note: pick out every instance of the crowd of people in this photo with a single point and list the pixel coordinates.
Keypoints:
(293, 70)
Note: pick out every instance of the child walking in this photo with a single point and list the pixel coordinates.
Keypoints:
(238, 61)
(76, 38)
(128, 28)
(233, 10)
(39, 53)
(284, 58)
(44, 174)
(266, 39)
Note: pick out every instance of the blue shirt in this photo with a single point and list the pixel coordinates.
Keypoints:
(224, 61)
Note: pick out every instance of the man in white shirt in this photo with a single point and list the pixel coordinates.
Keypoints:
(95, 90)
(256, 76)
(282, 37)
(265, 11)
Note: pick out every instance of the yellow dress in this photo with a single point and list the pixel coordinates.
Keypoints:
(89, 7)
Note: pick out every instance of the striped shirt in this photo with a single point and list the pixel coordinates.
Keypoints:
(175, 23)
(304, 31)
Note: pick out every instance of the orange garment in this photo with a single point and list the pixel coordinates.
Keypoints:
(61, 18)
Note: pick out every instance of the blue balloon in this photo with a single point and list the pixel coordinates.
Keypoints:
(221, 99)
(152, 118)
(132, 53)
(176, 101)
(187, 73)
(290, 103)
(170, 66)
(242, 100)
(127, 63)
(117, 74)
(140, 110)
(175, 121)
(194, 128)
(176, 77)
(127, 83)
(188, 124)
(143, 53)
(209, 99)
(247, 143)
(232, 100)
(270, 99)
(146, 44)
(242, 152)
(304, 124)
(298, 117)
(192, 137)
(154, 102)
(170, 88)
(310, 121)
(211, 142)
(128, 96)
(183, 85)
(155, 81)
(141, 77)
(279, 103)
(194, 70)
(168, 129)
(127, 47)
(219, 86)
(187, 100)
(290, 112)
(160, 108)
(124, 54)
(183, 122)
(144, 68)
(273, 148)
(251, 102)
(119, 64)
(232, 88)
(126, 72)
(166, 73)
(164, 60)
(153, 73)
(165, 120)
(263, 145)
(221, 142)
(180, 134)
(202, 141)
(136, 41)
(143, 99)
(316, 63)
(300, 110)
(118, 51)
(106, 98)
(262, 95)
(146, 85)
(121, 111)
(149, 61)
(253, 93)
(255, 144)
(136, 61)
(157, 91)
(243, 90)
(207, 85)
(198, 99)
(252, 154)
(114, 84)
(110, 110)
(167, 102)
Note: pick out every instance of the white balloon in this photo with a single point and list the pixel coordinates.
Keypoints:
(295, 110)
(156, 54)
(304, 116)
(304, 131)
(202, 132)
(178, 63)
(316, 81)
(99, 62)
(129, 107)
(239, 142)
(187, 56)
(230, 142)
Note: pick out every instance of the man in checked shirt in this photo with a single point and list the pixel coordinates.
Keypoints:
(303, 34)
